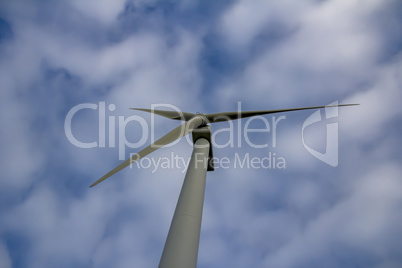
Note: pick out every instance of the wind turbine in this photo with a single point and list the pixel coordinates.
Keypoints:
(181, 246)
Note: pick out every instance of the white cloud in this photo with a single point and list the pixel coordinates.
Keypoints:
(5, 260)
(359, 221)
(20, 158)
(380, 104)
(245, 20)
(103, 11)
(332, 50)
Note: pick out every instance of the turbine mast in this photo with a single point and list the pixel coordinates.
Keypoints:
(181, 247)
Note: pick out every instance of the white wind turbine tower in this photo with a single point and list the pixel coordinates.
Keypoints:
(181, 246)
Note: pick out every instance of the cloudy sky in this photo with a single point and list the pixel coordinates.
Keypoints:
(200, 56)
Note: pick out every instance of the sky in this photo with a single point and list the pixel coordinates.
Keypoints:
(201, 56)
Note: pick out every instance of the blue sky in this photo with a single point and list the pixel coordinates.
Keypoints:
(201, 56)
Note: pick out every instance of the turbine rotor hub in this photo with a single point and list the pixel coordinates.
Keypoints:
(203, 118)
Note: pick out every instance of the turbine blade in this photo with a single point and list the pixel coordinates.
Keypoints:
(169, 114)
(225, 116)
(173, 135)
